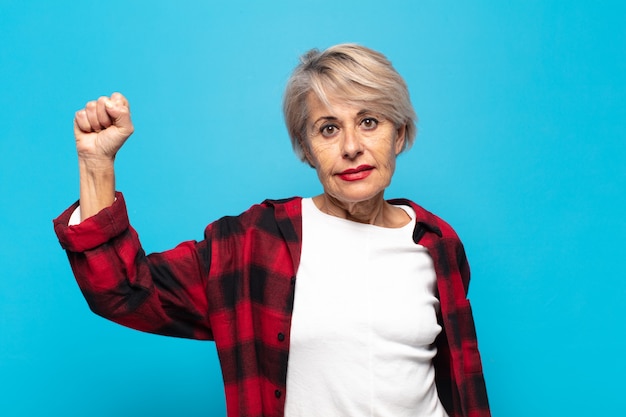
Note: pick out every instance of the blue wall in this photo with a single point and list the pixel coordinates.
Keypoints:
(521, 146)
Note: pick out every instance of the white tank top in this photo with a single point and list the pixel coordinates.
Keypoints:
(364, 322)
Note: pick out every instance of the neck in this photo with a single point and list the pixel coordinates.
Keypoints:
(375, 211)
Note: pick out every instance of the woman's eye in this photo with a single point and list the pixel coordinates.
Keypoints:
(328, 130)
(369, 123)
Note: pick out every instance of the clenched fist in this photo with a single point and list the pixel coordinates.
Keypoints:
(102, 127)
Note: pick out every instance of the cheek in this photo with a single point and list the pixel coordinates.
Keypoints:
(389, 167)
(322, 157)
(387, 157)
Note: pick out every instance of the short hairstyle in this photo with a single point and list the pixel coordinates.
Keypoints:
(349, 72)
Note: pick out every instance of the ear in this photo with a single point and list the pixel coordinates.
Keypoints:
(400, 138)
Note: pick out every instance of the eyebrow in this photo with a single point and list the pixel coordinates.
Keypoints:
(324, 118)
(333, 118)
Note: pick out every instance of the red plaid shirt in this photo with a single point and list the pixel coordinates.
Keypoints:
(237, 287)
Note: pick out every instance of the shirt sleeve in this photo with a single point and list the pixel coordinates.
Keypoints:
(163, 293)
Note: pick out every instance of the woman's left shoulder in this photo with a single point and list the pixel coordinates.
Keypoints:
(428, 219)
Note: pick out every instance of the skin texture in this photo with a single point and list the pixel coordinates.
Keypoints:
(341, 137)
(100, 130)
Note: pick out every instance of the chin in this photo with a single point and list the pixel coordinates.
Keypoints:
(357, 197)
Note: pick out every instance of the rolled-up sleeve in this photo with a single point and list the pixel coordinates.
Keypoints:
(163, 293)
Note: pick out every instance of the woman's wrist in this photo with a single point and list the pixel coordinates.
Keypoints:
(97, 186)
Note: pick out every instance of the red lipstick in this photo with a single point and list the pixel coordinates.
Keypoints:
(355, 174)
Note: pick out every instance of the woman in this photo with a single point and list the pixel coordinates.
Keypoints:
(343, 304)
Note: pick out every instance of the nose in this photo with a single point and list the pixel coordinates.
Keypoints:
(352, 145)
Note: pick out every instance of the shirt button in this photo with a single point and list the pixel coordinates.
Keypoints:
(281, 337)
(278, 393)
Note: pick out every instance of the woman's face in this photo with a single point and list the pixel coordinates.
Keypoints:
(352, 149)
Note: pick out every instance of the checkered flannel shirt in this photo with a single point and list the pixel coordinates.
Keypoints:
(236, 287)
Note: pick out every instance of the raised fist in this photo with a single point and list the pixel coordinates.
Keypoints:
(102, 127)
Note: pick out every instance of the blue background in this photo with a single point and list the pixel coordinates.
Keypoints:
(521, 147)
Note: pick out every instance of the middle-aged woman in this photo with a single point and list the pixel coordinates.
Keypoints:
(343, 304)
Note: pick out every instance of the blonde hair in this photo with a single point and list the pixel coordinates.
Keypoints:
(351, 73)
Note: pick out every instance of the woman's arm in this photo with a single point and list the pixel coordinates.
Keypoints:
(163, 293)
(100, 130)
(160, 293)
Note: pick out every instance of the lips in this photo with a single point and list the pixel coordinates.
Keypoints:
(355, 174)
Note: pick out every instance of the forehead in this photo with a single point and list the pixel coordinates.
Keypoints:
(333, 107)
